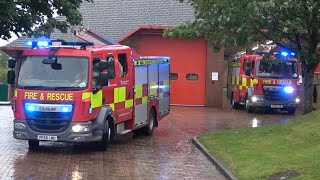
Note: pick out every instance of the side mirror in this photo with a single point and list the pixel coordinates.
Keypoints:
(95, 60)
(49, 61)
(103, 79)
(11, 76)
(247, 71)
(56, 66)
(11, 63)
(103, 65)
(248, 64)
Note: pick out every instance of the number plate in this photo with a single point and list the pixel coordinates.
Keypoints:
(47, 138)
(276, 106)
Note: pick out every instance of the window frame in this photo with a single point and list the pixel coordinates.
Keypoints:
(170, 75)
(191, 74)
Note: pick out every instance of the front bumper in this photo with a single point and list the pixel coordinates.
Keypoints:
(93, 135)
(263, 103)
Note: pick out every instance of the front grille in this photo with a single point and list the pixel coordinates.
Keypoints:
(50, 122)
(49, 126)
(276, 94)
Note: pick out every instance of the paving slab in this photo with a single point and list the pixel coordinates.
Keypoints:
(169, 154)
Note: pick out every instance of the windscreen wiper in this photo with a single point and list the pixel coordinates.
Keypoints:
(37, 87)
(67, 88)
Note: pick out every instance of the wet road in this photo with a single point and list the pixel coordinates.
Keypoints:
(169, 154)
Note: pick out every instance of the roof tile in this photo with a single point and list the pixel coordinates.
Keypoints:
(114, 18)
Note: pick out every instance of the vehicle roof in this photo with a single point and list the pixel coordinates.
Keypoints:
(79, 52)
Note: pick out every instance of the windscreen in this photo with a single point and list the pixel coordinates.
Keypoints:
(65, 73)
(276, 69)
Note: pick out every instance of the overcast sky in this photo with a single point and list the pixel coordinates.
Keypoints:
(4, 42)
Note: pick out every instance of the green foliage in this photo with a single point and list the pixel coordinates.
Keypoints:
(3, 67)
(22, 16)
(292, 24)
(228, 23)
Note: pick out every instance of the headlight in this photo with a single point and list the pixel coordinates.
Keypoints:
(256, 98)
(297, 100)
(19, 126)
(80, 128)
(288, 89)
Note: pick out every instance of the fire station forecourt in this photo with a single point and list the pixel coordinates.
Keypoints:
(168, 154)
(270, 152)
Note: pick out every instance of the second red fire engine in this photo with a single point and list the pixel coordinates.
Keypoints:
(265, 82)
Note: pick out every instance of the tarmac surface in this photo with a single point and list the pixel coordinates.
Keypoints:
(168, 154)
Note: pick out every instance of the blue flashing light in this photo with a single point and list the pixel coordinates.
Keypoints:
(288, 89)
(31, 108)
(285, 54)
(47, 43)
(29, 43)
(42, 43)
(293, 54)
(65, 109)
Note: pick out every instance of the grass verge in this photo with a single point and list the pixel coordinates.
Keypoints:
(262, 152)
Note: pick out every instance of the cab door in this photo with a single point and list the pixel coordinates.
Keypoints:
(124, 91)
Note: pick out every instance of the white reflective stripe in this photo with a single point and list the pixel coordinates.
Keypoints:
(48, 107)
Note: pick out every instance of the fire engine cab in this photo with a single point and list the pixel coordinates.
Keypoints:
(264, 81)
(78, 92)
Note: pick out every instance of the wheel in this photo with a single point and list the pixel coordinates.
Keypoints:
(234, 104)
(103, 144)
(33, 144)
(248, 108)
(292, 111)
(148, 130)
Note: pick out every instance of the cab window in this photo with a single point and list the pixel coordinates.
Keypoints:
(123, 65)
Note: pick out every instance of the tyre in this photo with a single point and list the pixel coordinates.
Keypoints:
(292, 111)
(248, 108)
(148, 130)
(234, 104)
(105, 141)
(112, 132)
(33, 144)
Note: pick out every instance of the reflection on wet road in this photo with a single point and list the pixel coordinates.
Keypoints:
(169, 154)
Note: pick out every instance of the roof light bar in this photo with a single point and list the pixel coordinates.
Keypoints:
(45, 43)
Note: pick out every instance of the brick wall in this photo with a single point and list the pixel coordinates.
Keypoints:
(214, 89)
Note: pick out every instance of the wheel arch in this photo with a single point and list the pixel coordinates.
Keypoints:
(104, 115)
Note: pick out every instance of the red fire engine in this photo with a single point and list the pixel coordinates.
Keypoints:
(78, 92)
(264, 81)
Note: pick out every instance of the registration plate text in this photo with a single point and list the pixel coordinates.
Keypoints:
(276, 106)
(47, 138)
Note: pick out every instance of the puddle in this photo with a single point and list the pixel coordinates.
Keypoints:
(255, 122)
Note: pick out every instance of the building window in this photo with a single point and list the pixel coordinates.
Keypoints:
(192, 77)
(123, 65)
(173, 76)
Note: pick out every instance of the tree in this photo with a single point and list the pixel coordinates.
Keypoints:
(26, 17)
(3, 67)
(226, 23)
